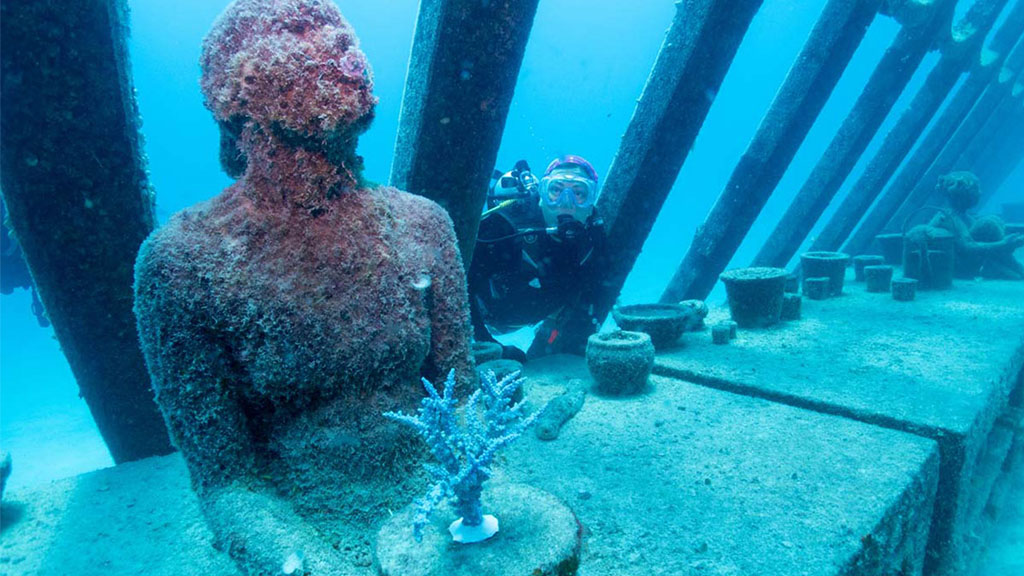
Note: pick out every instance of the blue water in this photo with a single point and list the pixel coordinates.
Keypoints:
(585, 66)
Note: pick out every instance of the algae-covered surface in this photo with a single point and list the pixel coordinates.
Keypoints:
(930, 366)
(688, 480)
(679, 480)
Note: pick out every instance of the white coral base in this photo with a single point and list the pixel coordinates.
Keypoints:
(471, 534)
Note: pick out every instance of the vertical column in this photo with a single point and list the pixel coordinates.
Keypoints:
(74, 180)
(985, 71)
(693, 61)
(885, 86)
(961, 49)
(462, 74)
(1000, 159)
(996, 104)
(810, 82)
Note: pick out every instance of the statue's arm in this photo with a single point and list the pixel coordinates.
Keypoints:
(971, 246)
(196, 385)
(450, 328)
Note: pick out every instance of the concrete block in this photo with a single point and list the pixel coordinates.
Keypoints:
(688, 480)
(683, 479)
(942, 367)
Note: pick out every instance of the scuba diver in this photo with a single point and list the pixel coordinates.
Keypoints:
(539, 258)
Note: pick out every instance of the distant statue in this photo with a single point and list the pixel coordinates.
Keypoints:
(982, 246)
(281, 319)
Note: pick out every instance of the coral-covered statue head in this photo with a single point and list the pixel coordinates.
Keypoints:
(291, 71)
(962, 189)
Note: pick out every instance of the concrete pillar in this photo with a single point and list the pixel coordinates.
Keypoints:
(997, 132)
(996, 102)
(693, 60)
(887, 82)
(462, 73)
(957, 54)
(810, 82)
(984, 72)
(74, 180)
(1001, 158)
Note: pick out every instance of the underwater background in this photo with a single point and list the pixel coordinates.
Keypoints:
(586, 64)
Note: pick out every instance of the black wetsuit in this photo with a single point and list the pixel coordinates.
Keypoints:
(522, 274)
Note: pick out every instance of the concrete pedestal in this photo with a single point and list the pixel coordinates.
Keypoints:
(538, 536)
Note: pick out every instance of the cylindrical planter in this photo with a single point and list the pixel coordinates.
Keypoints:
(878, 278)
(904, 289)
(664, 323)
(485, 352)
(816, 288)
(620, 361)
(859, 262)
(918, 248)
(755, 295)
(891, 246)
(831, 265)
(941, 263)
(791, 304)
(1013, 212)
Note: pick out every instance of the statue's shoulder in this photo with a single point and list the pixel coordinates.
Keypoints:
(186, 238)
(416, 209)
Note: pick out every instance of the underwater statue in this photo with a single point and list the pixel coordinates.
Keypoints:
(981, 244)
(283, 318)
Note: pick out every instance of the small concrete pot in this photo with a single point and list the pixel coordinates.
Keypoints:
(878, 278)
(904, 289)
(720, 334)
(734, 328)
(755, 295)
(620, 362)
(485, 352)
(664, 323)
(816, 288)
(860, 262)
(791, 305)
(831, 265)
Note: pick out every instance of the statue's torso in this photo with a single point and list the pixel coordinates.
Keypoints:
(327, 320)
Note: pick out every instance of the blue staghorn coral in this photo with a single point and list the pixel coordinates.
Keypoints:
(464, 450)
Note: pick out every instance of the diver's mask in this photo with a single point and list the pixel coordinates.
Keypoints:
(567, 195)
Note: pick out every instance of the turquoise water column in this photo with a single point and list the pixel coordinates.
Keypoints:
(75, 184)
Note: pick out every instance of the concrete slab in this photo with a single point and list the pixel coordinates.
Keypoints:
(680, 480)
(942, 366)
(136, 518)
(689, 480)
